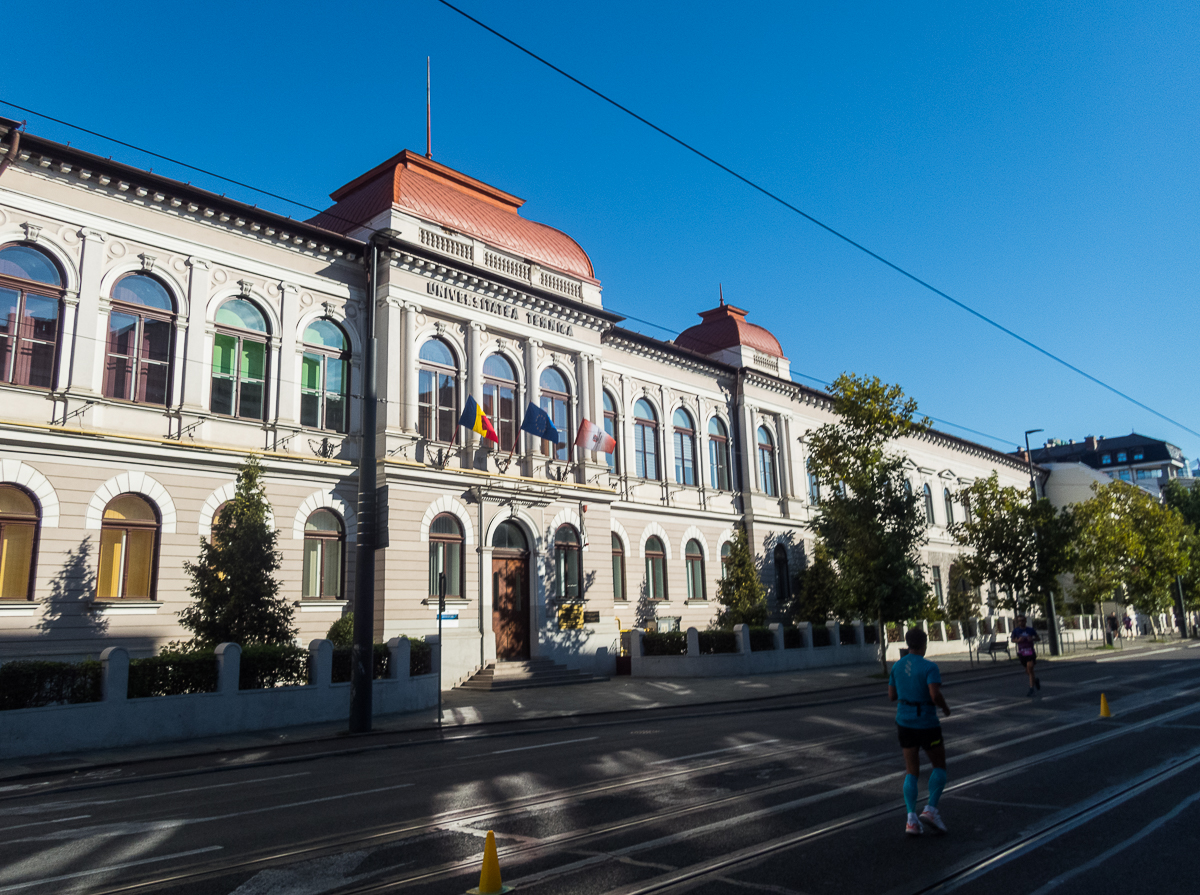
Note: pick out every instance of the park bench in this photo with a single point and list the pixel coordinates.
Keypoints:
(991, 646)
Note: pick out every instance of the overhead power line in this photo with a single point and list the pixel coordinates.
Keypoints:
(826, 227)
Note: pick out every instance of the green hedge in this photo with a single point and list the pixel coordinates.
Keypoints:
(420, 657)
(30, 683)
(761, 639)
(820, 636)
(712, 642)
(664, 643)
(846, 635)
(380, 660)
(792, 638)
(273, 665)
(870, 634)
(171, 674)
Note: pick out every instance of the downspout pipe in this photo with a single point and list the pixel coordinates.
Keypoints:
(14, 147)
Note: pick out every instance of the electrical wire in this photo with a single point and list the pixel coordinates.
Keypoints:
(826, 227)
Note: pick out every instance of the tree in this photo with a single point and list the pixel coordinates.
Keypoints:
(234, 591)
(741, 593)
(871, 525)
(1129, 541)
(1186, 502)
(817, 593)
(962, 597)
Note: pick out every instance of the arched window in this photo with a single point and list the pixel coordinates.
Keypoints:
(239, 368)
(324, 556)
(814, 484)
(128, 549)
(726, 551)
(325, 377)
(908, 488)
(509, 536)
(685, 448)
(656, 569)
(31, 290)
(610, 426)
(19, 519)
(718, 455)
(693, 560)
(445, 554)
(556, 401)
(141, 328)
(783, 581)
(928, 495)
(437, 393)
(766, 462)
(500, 399)
(568, 571)
(618, 560)
(966, 505)
(645, 440)
(949, 506)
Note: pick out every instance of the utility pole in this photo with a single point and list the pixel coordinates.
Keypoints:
(1033, 499)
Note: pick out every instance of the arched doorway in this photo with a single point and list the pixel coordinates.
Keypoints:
(510, 592)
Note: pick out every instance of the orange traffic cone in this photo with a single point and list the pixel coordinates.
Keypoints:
(1104, 712)
(489, 876)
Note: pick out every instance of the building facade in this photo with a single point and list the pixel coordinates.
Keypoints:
(1140, 460)
(153, 334)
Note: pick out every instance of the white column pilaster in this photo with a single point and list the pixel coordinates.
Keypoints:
(196, 363)
(82, 338)
(288, 367)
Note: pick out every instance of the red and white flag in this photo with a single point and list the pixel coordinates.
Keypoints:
(592, 438)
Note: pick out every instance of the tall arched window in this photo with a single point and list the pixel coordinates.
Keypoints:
(610, 426)
(500, 399)
(966, 505)
(445, 554)
(645, 440)
(718, 455)
(656, 569)
(509, 536)
(437, 393)
(726, 552)
(928, 495)
(128, 549)
(766, 462)
(324, 556)
(556, 401)
(693, 559)
(325, 377)
(19, 519)
(685, 448)
(568, 570)
(814, 484)
(783, 580)
(31, 290)
(141, 328)
(949, 506)
(618, 569)
(239, 368)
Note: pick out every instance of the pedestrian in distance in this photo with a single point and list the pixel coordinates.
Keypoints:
(1025, 637)
(1128, 623)
(916, 685)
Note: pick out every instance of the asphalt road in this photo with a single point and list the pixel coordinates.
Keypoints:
(790, 795)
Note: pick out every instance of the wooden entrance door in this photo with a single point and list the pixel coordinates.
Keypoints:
(510, 605)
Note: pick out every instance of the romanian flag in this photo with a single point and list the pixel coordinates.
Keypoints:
(476, 420)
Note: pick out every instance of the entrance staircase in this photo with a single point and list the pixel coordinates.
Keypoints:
(522, 675)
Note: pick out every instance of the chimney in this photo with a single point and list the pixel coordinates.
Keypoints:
(1091, 442)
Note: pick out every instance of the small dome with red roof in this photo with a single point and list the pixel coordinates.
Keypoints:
(726, 327)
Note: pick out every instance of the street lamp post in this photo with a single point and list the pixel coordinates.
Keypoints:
(1033, 498)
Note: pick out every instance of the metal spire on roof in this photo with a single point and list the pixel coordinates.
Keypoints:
(721, 288)
(428, 115)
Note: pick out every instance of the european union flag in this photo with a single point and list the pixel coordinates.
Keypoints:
(537, 422)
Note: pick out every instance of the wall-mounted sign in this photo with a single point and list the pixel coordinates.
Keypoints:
(591, 618)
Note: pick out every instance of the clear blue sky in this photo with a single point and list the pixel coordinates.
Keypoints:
(1037, 161)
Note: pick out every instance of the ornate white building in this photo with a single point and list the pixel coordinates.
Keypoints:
(152, 334)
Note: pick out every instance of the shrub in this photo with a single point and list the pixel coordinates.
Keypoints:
(953, 631)
(935, 631)
(761, 639)
(170, 674)
(716, 642)
(893, 633)
(870, 634)
(420, 657)
(381, 658)
(846, 635)
(341, 632)
(31, 683)
(792, 638)
(820, 636)
(665, 643)
(273, 665)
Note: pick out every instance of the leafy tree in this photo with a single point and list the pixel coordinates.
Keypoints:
(741, 593)
(962, 598)
(871, 525)
(233, 588)
(1186, 501)
(341, 632)
(817, 593)
(1128, 540)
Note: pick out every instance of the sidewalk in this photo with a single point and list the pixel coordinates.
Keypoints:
(465, 709)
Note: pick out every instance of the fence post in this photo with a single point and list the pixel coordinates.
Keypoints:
(835, 634)
(806, 640)
(859, 637)
(229, 667)
(321, 652)
(399, 658)
(693, 638)
(742, 633)
(114, 674)
(635, 643)
(777, 633)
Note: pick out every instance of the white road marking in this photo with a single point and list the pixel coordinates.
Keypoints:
(61, 820)
(714, 752)
(1153, 652)
(1096, 680)
(539, 746)
(55, 879)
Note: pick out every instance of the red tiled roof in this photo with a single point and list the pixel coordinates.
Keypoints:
(723, 327)
(444, 196)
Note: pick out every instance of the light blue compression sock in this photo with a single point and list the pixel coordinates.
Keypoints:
(937, 782)
(910, 792)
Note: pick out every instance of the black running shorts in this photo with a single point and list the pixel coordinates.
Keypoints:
(1025, 660)
(919, 737)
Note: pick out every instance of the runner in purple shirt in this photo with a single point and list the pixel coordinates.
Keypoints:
(1025, 637)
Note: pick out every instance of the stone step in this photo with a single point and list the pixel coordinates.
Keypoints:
(521, 675)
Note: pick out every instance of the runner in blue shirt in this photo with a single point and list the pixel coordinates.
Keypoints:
(916, 684)
(1025, 637)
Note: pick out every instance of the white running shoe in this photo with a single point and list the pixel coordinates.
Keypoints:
(930, 816)
(914, 828)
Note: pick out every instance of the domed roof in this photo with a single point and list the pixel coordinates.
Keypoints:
(444, 196)
(725, 327)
